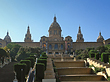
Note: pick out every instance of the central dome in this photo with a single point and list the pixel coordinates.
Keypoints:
(55, 25)
(54, 29)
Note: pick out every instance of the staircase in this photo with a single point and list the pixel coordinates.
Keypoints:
(71, 71)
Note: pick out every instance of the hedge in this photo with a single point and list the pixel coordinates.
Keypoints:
(91, 54)
(28, 65)
(43, 57)
(33, 56)
(40, 67)
(104, 57)
(32, 61)
(20, 75)
(44, 61)
(97, 56)
(43, 54)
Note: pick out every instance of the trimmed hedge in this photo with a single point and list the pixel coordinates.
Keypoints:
(43, 54)
(104, 57)
(44, 61)
(33, 56)
(43, 57)
(32, 61)
(20, 69)
(40, 68)
(97, 56)
(28, 65)
(91, 55)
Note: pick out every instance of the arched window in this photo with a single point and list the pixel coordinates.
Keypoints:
(61, 46)
(56, 46)
(50, 47)
(50, 32)
(55, 32)
(0, 44)
(68, 45)
(43, 39)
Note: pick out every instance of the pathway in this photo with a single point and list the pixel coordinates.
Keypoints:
(6, 73)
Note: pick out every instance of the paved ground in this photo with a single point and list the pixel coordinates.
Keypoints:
(6, 73)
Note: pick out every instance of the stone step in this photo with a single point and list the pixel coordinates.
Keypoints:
(82, 77)
(60, 64)
(74, 70)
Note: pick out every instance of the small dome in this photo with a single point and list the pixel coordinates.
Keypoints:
(7, 38)
(100, 38)
(55, 25)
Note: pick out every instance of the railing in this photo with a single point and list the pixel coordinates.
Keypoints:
(30, 73)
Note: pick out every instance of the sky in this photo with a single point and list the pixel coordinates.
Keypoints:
(93, 16)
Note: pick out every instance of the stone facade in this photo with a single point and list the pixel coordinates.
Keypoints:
(55, 43)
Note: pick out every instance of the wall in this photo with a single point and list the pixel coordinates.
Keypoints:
(29, 44)
(84, 45)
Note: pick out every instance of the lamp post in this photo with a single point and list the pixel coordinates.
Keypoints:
(15, 80)
(22, 79)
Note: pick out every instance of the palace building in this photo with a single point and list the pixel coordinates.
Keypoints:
(55, 43)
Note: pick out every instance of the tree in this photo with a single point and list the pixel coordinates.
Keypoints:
(7, 50)
(13, 49)
(101, 49)
(2, 55)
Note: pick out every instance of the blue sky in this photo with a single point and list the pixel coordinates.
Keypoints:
(93, 16)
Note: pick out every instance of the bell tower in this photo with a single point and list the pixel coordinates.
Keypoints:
(79, 36)
(28, 36)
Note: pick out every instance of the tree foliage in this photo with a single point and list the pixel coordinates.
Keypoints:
(102, 49)
(13, 49)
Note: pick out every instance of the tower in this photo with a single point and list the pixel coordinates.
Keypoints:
(7, 38)
(79, 36)
(100, 38)
(28, 36)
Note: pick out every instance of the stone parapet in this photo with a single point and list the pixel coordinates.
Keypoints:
(98, 63)
(49, 73)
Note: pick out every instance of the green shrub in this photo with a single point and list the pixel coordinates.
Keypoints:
(43, 54)
(97, 56)
(104, 57)
(91, 55)
(42, 57)
(33, 56)
(32, 61)
(40, 67)
(28, 65)
(20, 69)
(108, 78)
(44, 61)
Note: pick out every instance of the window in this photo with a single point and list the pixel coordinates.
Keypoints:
(50, 47)
(68, 39)
(55, 32)
(0, 44)
(50, 32)
(61, 46)
(56, 53)
(68, 45)
(59, 32)
(43, 39)
(56, 46)
(50, 52)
